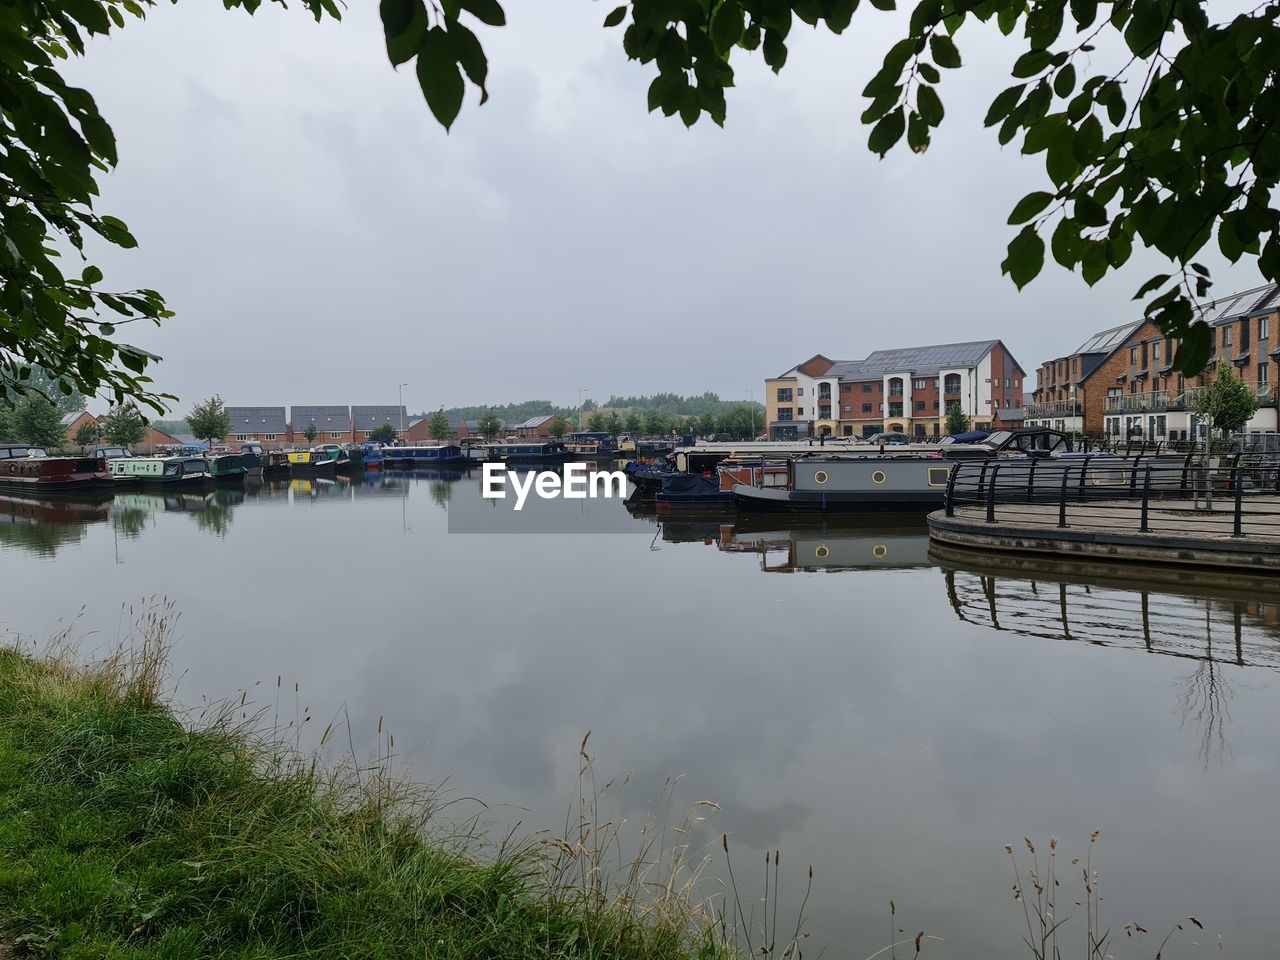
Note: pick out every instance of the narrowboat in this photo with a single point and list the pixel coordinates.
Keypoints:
(226, 467)
(27, 468)
(590, 446)
(908, 481)
(254, 459)
(439, 455)
(180, 472)
(647, 477)
(340, 456)
(685, 492)
(276, 466)
(311, 463)
(371, 456)
(529, 451)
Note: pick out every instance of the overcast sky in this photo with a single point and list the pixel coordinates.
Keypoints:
(323, 240)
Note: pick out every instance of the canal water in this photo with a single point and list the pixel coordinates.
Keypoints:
(891, 717)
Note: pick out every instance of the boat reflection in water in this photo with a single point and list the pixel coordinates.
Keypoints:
(831, 548)
(41, 525)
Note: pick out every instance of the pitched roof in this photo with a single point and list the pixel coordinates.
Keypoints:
(69, 418)
(535, 422)
(370, 418)
(924, 361)
(1265, 299)
(1106, 341)
(251, 420)
(334, 415)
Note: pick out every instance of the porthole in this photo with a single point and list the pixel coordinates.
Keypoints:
(821, 551)
(878, 477)
(821, 477)
(879, 551)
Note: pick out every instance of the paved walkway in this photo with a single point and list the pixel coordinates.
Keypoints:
(1260, 517)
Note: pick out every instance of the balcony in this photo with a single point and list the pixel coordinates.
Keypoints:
(1053, 408)
(1153, 401)
(1265, 392)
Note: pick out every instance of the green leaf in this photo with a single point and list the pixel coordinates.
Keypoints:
(1005, 101)
(1066, 243)
(929, 72)
(405, 42)
(887, 132)
(616, 16)
(439, 77)
(486, 11)
(929, 105)
(944, 51)
(728, 23)
(1194, 349)
(1090, 212)
(466, 47)
(1065, 81)
(396, 15)
(1029, 206)
(1152, 284)
(917, 133)
(1031, 63)
(1026, 257)
(91, 275)
(883, 4)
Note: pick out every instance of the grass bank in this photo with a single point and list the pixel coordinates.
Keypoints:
(125, 833)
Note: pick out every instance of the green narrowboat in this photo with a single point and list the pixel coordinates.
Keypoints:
(178, 472)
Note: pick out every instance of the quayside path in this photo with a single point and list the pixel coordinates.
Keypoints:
(1223, 514)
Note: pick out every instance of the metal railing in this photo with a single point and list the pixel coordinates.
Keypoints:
(1234, 494)
(1054, 408)
(1155, 400)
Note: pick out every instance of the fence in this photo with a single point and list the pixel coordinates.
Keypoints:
(1236, 494)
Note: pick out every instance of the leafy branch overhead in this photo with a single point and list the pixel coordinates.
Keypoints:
(1174, 148)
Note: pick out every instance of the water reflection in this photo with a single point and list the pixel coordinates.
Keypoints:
(893, 722)
(43, 525)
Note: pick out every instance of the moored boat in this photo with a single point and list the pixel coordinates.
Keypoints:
(311, 463)
(226, 467)
(436, 455)
(371, 456)
(906, 481)
(254, 459)
(25, 467)
(685, 492)
(275, 466)
(529, 452)
(182, 472)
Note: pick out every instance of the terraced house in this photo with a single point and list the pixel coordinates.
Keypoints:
(907, 390)
(1121, 382)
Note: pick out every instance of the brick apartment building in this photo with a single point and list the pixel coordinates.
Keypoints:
(1121, 383)
(364, 420)
(906, 390)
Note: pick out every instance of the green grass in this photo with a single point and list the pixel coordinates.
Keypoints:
(124, 833)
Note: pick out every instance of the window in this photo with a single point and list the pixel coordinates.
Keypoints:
(1155, 352)
(895, 409)
(800, 410)
(1017, 382)
(784, 413)
(935, 405)
(800, 391)
(1226, 336)
(1264, 374)
(242, 437)
(1133, 356)
(846, 408)
(866, 408)
(895, 387)
(1264, 328)
(268, 436)
(846, 388)
(335, 436)
(867, 387)
(784, 394)
(920, 385)
(919, 404)
(952, 383)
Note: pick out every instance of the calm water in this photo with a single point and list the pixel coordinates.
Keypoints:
(893, 722)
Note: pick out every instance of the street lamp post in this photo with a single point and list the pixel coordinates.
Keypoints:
(581, 391)
(751, 399)
(401, 391)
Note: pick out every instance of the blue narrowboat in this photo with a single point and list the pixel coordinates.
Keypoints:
(374, 456)
(436, 456)
(530, 451)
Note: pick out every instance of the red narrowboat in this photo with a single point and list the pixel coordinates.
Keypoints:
(27, 468)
